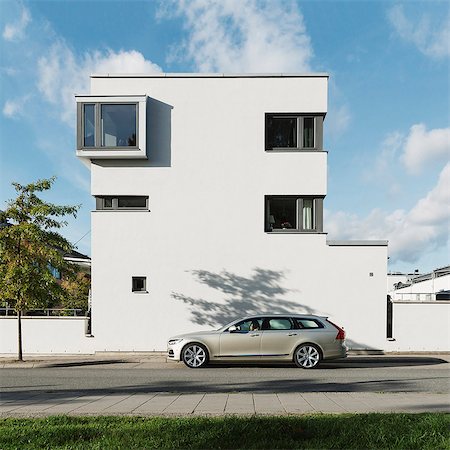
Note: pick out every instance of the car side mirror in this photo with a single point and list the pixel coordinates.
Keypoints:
(232, 329)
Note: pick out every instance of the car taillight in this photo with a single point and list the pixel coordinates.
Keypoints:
(341, 333)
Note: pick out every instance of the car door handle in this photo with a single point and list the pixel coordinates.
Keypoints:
(254, 335)
(292, 334)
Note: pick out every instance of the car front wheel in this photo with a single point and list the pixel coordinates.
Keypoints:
(307, 356)
(195, 356)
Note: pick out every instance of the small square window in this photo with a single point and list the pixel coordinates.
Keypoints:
(107, 202)
(139, 284)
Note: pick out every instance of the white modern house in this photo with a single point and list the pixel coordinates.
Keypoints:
(209, 206)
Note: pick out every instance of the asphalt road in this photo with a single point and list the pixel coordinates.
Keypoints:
(355, 374)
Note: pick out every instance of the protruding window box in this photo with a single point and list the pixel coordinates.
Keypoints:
(111, 127)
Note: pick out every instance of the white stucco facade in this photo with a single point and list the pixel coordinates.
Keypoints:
(202, 245)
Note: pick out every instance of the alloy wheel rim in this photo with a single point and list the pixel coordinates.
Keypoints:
(194, 356)
(308, 356)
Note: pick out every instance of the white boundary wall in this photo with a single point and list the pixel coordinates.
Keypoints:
(420, 327)
(46, 335)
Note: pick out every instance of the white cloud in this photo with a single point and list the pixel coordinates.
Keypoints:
(337, 120)
(421, 230)
(61, 74)
(432, 39)
(16, 30)
(422, 147)
(243, 35)
(14, 108)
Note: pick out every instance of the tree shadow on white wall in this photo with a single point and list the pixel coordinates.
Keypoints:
(259, 293)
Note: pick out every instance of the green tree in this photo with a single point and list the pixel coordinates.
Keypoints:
(29, 246)
(77, 291)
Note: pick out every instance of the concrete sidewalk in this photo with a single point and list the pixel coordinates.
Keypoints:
(29, 404)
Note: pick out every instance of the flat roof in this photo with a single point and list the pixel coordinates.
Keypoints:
(357, 243)
(210, 75)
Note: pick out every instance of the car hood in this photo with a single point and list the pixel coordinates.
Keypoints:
(197, 333)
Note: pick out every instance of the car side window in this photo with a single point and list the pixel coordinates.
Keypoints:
(249, 325)
(308, 323)
(278, 324)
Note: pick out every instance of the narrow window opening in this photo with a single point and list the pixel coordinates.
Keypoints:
(308, 132)
(308, 214)
(123, 202)
(89, 126)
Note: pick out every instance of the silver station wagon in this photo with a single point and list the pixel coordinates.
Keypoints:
(304, 339)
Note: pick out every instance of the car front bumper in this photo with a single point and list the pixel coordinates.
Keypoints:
(174, 350)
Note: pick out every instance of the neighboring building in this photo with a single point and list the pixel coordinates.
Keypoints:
(209, 205)
(79, 259)
(422, 287)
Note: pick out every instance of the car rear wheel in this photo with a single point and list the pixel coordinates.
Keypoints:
(307, 356)
(195, 356)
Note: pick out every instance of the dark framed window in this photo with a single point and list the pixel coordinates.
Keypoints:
(133, 202)
(122, 202)
(118, 125)
(293, 213)
(139, 284)
(108, 125)
(293, 131)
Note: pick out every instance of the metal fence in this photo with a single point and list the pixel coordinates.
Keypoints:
(48, 312)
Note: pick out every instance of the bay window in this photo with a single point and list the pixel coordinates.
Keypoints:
(111, 127)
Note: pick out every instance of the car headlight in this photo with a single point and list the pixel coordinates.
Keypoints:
(174, 341)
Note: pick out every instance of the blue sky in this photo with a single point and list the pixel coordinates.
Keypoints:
(387, 130)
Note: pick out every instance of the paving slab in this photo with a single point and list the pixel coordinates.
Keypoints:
(348, 402)
(184, 404)
(83, 405)
(129, 404)
(156, 404)
(321, 403)
(99, 405)
(294, 403)
(212, 404)
(268, 404)
(240, 404)
(68, 404)
(23, 402)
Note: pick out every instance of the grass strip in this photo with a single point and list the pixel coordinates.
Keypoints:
(349, 431)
